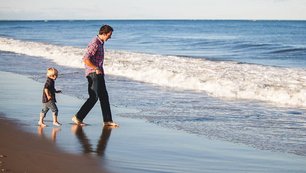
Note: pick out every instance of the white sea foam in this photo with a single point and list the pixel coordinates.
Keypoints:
(283, 86)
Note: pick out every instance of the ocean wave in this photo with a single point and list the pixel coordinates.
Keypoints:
(289, 50)
(231, 80)
(240, 45)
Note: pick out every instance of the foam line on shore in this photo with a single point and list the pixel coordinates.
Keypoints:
(222, 79)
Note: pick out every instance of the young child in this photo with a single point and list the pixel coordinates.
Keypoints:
(48, 98)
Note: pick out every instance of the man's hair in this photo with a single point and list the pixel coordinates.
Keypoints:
(105, 29)
(51, 72)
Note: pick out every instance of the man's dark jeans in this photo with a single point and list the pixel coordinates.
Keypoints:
(96, 90)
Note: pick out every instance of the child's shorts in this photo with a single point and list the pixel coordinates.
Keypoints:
(49, 105)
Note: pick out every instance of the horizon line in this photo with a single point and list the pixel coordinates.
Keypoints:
(152, 19)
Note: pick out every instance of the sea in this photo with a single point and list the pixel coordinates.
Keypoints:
(241, 81)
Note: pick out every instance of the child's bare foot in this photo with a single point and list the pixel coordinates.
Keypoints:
(57, 124)
(41, 124)
(77, 122)
(111, 124)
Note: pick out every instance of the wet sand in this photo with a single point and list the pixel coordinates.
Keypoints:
(23, 152)
(135, 147)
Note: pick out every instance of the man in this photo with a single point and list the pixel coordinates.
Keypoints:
(93, 60)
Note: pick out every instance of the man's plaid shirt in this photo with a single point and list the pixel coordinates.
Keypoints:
(95, 53)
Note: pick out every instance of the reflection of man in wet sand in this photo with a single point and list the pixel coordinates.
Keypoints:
(84, 141)
(40, 132)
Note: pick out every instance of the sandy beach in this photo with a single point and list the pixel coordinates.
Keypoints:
(22, 152)
(135, 147)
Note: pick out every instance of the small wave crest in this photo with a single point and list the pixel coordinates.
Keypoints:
(282, 86)
(289, 50)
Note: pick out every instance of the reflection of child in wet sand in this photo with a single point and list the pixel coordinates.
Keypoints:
(40, 132)
(48, 98)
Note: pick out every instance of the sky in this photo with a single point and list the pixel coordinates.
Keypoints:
(152, 9)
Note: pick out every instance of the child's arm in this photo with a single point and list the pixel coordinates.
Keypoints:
(47, 93)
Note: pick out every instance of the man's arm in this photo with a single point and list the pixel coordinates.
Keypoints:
(91, 50)
(90, 64)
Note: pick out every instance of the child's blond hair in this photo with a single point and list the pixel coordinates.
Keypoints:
(52, 72)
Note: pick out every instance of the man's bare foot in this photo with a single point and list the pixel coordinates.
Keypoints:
(77, 122)
(111, 124)
(41, 124)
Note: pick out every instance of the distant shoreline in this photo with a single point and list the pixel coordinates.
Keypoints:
(72, 20)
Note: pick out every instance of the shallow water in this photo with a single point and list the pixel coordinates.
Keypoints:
(136, 146)
(247, 122)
